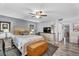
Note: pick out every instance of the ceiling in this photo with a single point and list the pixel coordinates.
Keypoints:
(54, 10)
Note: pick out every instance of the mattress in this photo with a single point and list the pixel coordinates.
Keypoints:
(21, 40)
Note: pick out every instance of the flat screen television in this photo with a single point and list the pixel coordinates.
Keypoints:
(47, 29)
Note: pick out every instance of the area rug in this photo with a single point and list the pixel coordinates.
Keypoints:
(51, 50)
(15, 52)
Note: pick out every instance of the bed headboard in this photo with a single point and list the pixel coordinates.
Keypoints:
(21, 31)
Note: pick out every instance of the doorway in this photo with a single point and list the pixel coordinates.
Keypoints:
(66, 33)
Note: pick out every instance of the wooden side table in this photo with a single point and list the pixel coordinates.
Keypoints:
(3, 46)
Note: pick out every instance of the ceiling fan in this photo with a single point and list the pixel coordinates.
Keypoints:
(43, 11)
(37, 13)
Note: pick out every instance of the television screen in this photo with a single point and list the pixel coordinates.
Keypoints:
(47, 29)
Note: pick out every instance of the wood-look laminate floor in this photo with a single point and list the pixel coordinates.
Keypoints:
(64, 50)
(69, 49)
(13, 51)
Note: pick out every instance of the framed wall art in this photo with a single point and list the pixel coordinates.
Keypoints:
(75, 27)
(4, 26)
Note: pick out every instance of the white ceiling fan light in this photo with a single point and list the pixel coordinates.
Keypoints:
(38, 16)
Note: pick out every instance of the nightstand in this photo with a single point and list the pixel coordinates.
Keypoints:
(3, 46)
(6, 43)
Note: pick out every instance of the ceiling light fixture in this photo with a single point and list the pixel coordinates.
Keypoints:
(37, 16)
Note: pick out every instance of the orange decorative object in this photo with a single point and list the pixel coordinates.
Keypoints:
(37, 48)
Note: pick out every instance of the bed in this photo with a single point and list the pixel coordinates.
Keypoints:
(22, 41)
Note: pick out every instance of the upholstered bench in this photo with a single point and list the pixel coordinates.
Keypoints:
(37, 48)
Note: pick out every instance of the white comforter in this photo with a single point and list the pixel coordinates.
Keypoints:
(20, 40)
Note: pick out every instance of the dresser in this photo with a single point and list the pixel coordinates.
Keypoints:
(49, 37)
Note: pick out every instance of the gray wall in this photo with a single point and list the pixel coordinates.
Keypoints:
(73, 34)
(16, 22)
(41, 25)
(57, 29)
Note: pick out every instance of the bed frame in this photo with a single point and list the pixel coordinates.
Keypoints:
(20, 30)
(44, 47)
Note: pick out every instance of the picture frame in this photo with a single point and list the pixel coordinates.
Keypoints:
(4, 26)
(75, 27)
(31, 26)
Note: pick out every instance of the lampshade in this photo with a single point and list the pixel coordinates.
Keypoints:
(32, 30)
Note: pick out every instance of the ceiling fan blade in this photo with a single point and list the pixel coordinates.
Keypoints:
(43, 15)
(29, 9)
(31, 13)
(33, 16)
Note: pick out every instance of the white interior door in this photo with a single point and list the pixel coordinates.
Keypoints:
(59, 31)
